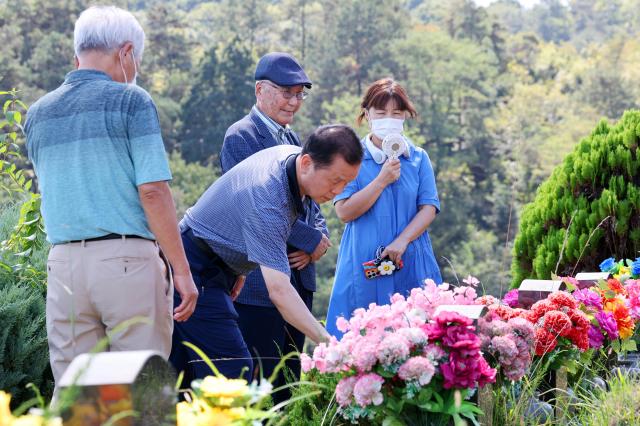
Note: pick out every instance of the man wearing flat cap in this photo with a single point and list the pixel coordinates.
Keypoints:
(280, 89)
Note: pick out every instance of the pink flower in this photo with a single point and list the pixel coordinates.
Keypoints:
(393, 348)
(306, 362)
(511, 298)
(596, 338)
(471, 281)
(342, 324)
(588, 298)
(418, 369)
(505, 346)
(344, 390)
(466, 372)
(608, 324)
(367, 390)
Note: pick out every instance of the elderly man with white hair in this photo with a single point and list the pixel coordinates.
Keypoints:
(116, 251)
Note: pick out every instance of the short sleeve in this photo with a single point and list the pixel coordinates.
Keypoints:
(351, 188)
(265, 231)
(145, 140)
(427, 191)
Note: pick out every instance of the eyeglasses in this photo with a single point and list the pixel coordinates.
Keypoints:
(287, 94)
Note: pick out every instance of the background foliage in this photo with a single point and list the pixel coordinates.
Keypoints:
(503, 92)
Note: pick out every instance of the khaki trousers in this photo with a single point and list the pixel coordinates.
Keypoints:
(93, 286)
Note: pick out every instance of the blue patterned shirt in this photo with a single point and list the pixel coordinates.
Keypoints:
(247, 214)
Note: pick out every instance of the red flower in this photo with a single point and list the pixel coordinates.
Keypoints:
(579, 319)
(545, 341)
(580, 338)
(503, 311)
(562, 298)
(540, 308)
(557, 322)
(615, 285)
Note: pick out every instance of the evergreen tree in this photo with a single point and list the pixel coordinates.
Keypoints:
(588, 210)
(221, 94)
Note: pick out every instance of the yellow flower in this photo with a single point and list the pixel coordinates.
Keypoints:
(5, 411)
(198, 413)
(221, 387)
(28, 420)
(625, 332)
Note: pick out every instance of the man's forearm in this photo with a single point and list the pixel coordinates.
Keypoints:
(160, 211)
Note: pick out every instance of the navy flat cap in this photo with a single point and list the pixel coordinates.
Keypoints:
(282, 69)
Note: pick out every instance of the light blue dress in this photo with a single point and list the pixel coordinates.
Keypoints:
(380, 225)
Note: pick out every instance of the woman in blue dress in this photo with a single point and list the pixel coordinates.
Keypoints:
(391, 203)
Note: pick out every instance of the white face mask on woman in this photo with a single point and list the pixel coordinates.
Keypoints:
(382, 127)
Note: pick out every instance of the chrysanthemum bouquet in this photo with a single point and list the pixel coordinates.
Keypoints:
(401, 360)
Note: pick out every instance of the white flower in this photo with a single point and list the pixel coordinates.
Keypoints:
(386, 268)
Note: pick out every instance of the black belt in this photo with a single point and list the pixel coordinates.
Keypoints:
(109, 237)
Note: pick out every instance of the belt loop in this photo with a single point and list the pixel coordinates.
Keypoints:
(124, 239)
(83, 243)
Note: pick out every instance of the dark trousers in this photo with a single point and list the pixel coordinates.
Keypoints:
(269, 336)
(213, 327)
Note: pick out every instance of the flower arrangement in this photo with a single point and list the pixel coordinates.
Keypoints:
(401, 358)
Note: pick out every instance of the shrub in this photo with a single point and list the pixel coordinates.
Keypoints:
(588, 210)
(24, 355)
(311, 409)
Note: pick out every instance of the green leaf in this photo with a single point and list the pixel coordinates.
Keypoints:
(629, 345)
(392, 421)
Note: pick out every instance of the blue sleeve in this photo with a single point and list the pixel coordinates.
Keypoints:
(145, 140)
(304, 236)
(351, 188)
(427, 191)
(234, 149)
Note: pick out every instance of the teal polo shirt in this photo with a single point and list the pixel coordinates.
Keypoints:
(92, 142)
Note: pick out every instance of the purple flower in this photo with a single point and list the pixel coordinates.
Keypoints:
(511, 298)
(588, 298)
(596, 338)
(608, 324)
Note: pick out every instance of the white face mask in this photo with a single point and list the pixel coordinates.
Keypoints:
(135, 66)
(382, 127)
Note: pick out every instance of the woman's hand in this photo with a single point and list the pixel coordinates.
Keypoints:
(395, 250)
(390, 172)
